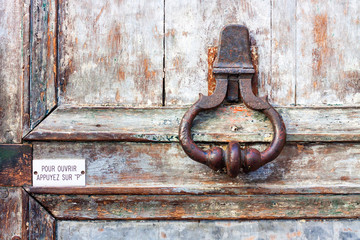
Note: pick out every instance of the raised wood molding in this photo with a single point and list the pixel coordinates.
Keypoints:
(227, 123)
(141, 207)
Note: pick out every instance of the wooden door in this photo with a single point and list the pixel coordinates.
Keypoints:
(109, 81)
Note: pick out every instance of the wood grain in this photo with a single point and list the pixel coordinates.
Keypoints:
(191, 27)
(15, 165)
(43, 64)
(13, 213)
(228, 123)
(327, 52)
(111, 52)
(221, 230)
(108, 207)
(11, 70)
(281, 89)
(163, 168)
(41, 224)
(26, 67)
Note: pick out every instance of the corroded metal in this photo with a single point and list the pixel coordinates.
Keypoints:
(233, 63)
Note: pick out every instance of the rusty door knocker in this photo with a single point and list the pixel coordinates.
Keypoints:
(233, 69)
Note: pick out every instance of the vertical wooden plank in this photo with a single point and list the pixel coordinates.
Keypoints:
(41, 224)
(43, 59)
(13, 213)
(11, 71)
(283, 59)
(328, 52)
(192, 27)
(25, 53)
(111, 52)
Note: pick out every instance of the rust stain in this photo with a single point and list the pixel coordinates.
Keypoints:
(320, 53)
(294, 235)
(300, 148)
(54, 69)
(163, 235)
(49, 34)
(114, 38)
(121, 75)
(178, 212)
(212, 53)
(241, 109)
(344, 178)
(149, 75)
(170, 32)
(250, 238)
(42, 94)
(177, 63)
(117, 97)
(100, 13)
(352, 79)
(255, 60)
(69, 69)
(157, 34)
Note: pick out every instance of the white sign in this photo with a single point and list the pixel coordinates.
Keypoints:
(58, 172)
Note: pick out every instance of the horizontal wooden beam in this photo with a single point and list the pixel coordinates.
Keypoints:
(15, 165)
(164, 168)
(107, 207)
(227, 123)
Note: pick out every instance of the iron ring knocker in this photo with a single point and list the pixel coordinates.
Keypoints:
(233, 67)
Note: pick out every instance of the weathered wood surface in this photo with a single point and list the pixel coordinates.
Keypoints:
(231, 123)
(164, 168)
(306, 51)
(328, 52)
(281, 89)
(15, 165)
(111, 53)
(43, 64)
(205, 230)
(191, 27)
(109, 207)
(11, 69)
(26, 119)
(41, 224)
(13, 213)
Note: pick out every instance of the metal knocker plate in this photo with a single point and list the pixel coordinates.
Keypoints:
(233, 67)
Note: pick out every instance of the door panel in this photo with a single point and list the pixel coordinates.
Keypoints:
(111, 53)
(43, 55)
(192, 27)
(310, 229)
(95, 77)
(13, 66)
(328, 56)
